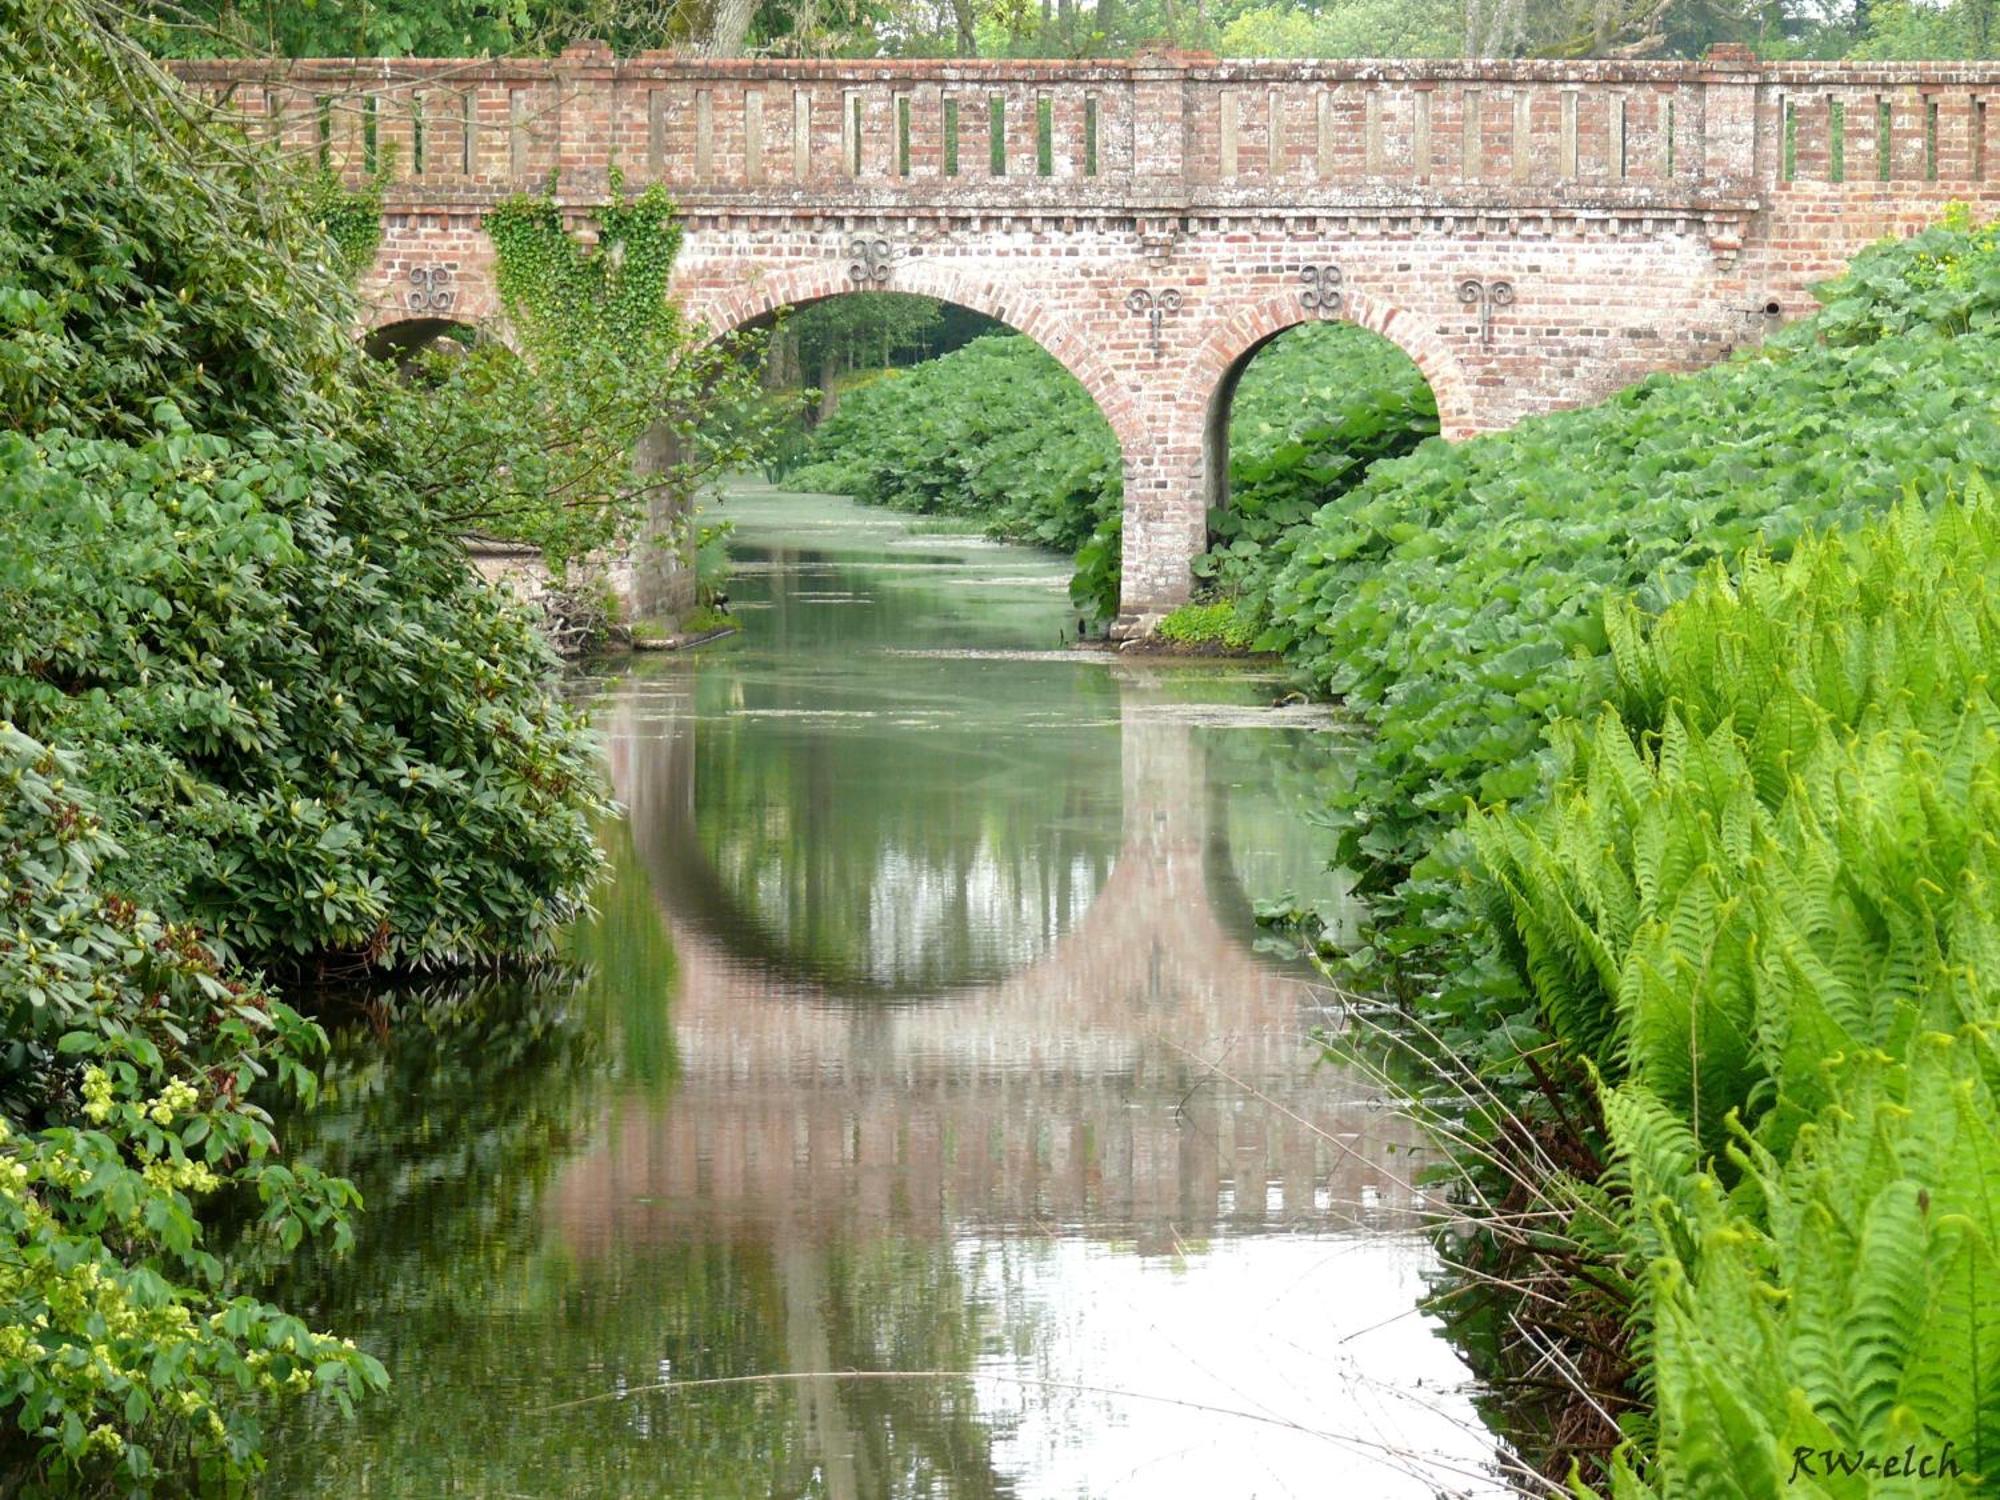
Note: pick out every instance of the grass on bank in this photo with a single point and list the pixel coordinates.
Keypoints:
(1209, 622)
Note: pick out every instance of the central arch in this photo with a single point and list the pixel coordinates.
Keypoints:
(1022, 305)
(725, 310)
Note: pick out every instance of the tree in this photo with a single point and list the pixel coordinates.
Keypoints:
(841, 334)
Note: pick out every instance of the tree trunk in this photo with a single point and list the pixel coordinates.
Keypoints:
(781, 363)
(968, 36)
(1603, 26)
(730, 28)
(829, 393)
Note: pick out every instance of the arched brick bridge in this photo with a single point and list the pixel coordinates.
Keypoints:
(1532, 234)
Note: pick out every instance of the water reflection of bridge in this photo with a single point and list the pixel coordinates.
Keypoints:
(1076, 1092)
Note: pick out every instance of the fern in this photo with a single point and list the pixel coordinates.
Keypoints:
(1760, 906)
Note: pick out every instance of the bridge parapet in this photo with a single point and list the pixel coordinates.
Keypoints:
(1176, 131)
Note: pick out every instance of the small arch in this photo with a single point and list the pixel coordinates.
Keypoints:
(406, 338)
(1253, 327)
(1219, 363)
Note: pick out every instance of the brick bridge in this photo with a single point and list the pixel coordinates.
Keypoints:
(1532, 234)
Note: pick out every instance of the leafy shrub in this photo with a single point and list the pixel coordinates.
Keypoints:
(311, 728)
(1216, 622)
(1760, 907)
(1452, 597)
(129, 1059)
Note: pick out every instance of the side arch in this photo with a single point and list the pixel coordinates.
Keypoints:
(726, 309)
(1222, 357)
(1255, 324)
(403, 338)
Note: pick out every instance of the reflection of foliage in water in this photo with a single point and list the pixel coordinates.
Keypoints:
(905, 858)
(451, 1105)
(907, 1305)
(455, 1106)
(1271, 784)
(460, 1097)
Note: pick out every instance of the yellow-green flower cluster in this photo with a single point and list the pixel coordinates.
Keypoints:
(189, 1176)
(97, 1102)
(177, 1098)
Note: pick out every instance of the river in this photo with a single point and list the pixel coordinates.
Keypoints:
(934, 1120)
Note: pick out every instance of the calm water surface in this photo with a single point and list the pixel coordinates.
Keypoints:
(928, 1060)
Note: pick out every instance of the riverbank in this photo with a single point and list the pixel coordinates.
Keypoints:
(1651, 1032)
(259, 719)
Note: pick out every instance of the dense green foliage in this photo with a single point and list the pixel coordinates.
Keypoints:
(310, 728)
(128, 1056)
(997, 430)
(1452, 598)
(258, 708)
(1760, 907)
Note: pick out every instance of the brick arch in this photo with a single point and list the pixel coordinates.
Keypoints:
(1253, 324)
(1226, 353)
(1015, 304)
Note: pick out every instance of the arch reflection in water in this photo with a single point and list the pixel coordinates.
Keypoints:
(1073, 1089)
(819, 839)
(1068, 1197)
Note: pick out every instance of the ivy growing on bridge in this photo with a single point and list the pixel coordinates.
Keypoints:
(611, 409)
(565, 296)
(351, 217)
